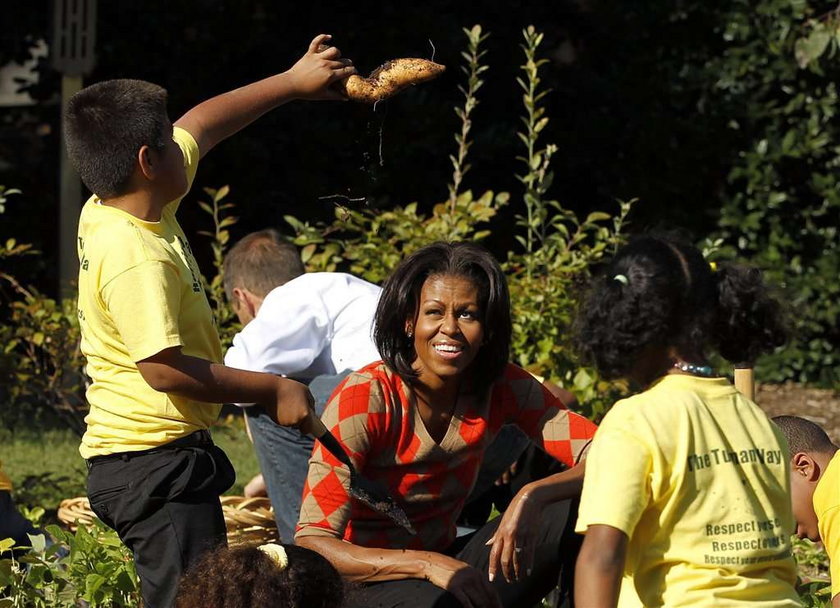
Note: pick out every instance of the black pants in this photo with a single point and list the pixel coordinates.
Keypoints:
(554, 563)
(164, 505)
(14, 525)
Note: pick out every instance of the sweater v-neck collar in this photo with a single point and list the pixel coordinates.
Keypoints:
(422, 430)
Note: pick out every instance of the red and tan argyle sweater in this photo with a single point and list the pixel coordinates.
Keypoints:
(373, 414)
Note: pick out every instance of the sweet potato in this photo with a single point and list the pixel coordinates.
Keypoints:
(389, 79)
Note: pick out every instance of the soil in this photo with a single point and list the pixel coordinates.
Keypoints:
(821, 406)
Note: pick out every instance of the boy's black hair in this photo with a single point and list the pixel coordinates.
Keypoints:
(261, 261)
(245, 577)
(400, 300)
(106, 124)
(659, 291)
(804, 436)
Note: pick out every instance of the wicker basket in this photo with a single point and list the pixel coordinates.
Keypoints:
(248, 520)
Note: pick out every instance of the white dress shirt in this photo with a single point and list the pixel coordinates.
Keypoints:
(318, 323)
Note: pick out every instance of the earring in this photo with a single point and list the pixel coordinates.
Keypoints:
(409, 333)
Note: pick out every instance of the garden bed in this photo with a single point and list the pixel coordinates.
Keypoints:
(821, 406)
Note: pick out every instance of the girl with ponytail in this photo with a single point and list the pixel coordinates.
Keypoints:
(686, 494)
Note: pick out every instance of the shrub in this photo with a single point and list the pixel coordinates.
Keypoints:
(90, 565)
(40, 362)
(776, 82)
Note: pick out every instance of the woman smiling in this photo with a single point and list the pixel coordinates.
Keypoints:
(419, 421)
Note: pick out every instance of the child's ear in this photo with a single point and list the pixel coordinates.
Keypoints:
(146, 162)
(803, 464)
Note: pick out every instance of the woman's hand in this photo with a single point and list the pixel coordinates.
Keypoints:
(467, 584)
(320, 66)
(515, 540)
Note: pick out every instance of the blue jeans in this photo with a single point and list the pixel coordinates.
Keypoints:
(283, 454)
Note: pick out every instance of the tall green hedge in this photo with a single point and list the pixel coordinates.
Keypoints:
(776, 80)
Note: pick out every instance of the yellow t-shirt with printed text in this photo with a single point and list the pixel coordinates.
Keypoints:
(827, 507)
(5, 482)
(140, 292)
(698, 479)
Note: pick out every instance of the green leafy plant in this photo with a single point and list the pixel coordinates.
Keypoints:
(814, 584)
(218, 210)
(557, 251)
(90, 566)
(473, 70)
(41, 348)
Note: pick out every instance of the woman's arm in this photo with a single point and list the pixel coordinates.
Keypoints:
(362, 564)
(515, 539)
(600, 566)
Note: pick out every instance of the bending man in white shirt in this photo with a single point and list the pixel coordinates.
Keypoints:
(313, 327)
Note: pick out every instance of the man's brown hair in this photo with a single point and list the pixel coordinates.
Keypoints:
(260, 262)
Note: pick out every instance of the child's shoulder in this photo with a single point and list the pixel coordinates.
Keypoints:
(103, 230)
(110, 242)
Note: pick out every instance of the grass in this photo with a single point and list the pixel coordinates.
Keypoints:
(45, 467)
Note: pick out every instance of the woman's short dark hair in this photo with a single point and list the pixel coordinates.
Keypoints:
(245, 577)
(659, 291)
(401, 296)
(106, 124)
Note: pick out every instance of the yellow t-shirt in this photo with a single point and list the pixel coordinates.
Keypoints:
(827, 507)
(698, 478)
(140, 292)
(5, 482)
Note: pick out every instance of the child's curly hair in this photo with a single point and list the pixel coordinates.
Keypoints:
(659, 291)
(245, 577)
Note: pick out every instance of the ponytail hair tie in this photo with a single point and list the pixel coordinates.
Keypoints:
(713, 266)
(277, 553)
(621, 279)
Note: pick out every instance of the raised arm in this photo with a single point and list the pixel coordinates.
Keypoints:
(216, 119)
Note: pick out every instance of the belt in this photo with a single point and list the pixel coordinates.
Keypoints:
(196, 439)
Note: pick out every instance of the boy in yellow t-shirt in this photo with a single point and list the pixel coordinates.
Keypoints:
(153, 354)
(815, 489)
